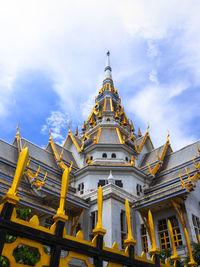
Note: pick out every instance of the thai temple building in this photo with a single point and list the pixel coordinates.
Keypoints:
(108, 151)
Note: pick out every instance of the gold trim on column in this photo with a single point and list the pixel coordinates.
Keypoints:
(119, 135)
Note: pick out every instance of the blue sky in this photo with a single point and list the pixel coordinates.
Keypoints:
(52, 58)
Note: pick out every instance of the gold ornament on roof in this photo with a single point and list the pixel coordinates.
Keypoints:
(139, 132)
(76, 132)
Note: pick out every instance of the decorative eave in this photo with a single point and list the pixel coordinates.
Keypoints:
(139, 149)
(95, 167)
(191, 181)
(73, 140)
(142, 203)
(160, 159)
(104, 145)
(58, 158)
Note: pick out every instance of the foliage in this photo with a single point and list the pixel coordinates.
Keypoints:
(26, 255)
(4, 262)
(45, 249)
(10, 238)
(196, 253)
(165, 254)
(23, 214)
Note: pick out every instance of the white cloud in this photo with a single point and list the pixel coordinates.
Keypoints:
(57, 122)
(153, 76)
(153, 105)
(67, 40)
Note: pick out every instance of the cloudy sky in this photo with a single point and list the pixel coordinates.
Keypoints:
(52, 59)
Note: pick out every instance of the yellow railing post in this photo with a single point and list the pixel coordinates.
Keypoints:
(11, 195)
(99, 229)
(60, 215)
(191, 263)
(130, 240)
(175, 257)
(154, 250)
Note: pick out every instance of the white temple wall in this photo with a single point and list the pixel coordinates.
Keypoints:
(91, 179)
(192, 205)
(121, 154)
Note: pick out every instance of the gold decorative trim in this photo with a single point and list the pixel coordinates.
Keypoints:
(119, 135)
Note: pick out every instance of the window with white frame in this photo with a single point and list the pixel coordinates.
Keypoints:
(163, 232)
(102, 182)
(196, 223)
(138, 189)
(144, 238)
(81, 188)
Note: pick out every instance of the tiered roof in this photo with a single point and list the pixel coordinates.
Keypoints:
(108, 122)
(169, 174)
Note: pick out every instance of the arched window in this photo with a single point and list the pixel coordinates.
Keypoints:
(108, 119)
(104, 155)
(113, 156)
(126, 158)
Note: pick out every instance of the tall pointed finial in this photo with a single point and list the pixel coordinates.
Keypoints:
(175, 255)
(130, 240)
(11, 195)
(18, 129)
(154, 249)
(99, 229)
(108, 69)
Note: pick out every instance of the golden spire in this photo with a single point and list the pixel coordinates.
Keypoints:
(132, 160)
(18, 130)
(139, 132)
(18, 140)
(117, 114)
(69, 127)
(132, 127)
(88, 160)
(168, 136)
(124, 121)
(100, 115)
(84, 126)
(91, 121)
(76, 132)
(50, 135)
